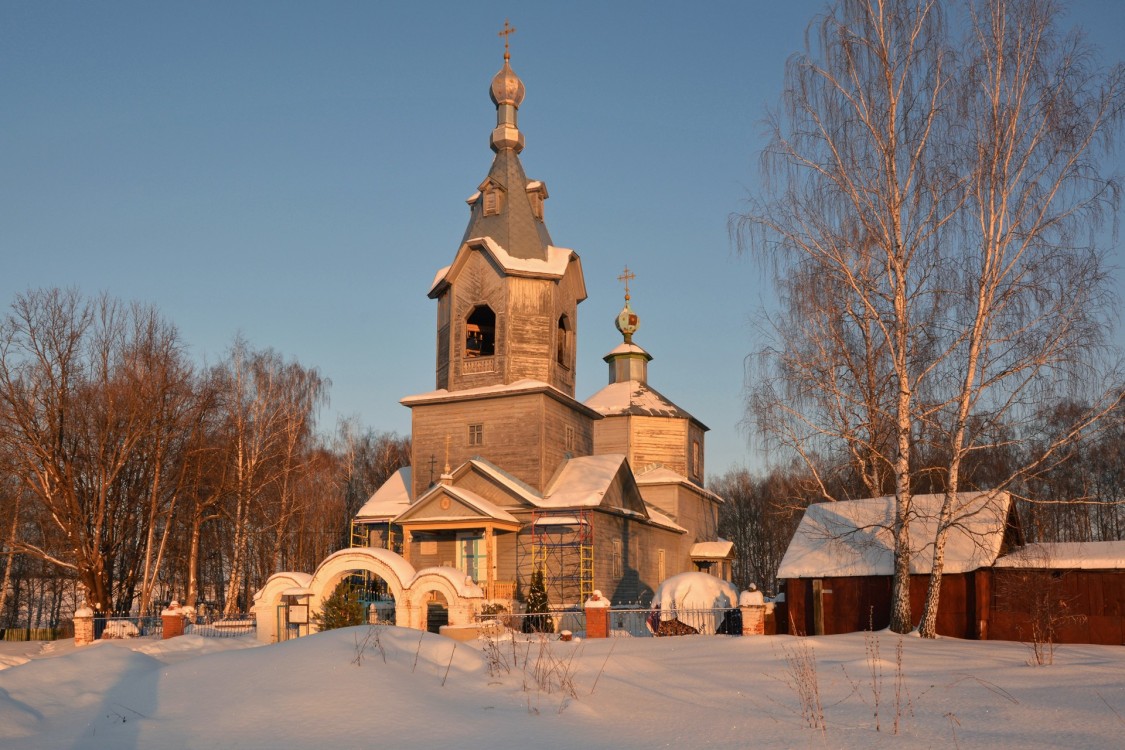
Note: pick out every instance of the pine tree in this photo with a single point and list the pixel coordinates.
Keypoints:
(538, 620)
(341, 610)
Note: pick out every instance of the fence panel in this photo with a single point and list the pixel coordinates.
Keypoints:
(629, 623)
(230, 626)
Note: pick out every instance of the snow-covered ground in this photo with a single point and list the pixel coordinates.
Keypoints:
(430, 692)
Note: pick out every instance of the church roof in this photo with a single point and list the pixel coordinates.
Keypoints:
(582, 482)
(515, 226)
(632, 397)
(389, 500)
(469, 498)
(552, 266)
(660, 474)
(520, 387)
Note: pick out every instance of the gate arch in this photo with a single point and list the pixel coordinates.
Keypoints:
(268, 598)
(392, 568)
(460, 593)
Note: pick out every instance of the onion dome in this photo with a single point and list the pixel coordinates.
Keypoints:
(507, 94)
(628, 322)
(506, 87)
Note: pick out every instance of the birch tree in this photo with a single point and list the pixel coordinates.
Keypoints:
(859, 195)
(1033, 297)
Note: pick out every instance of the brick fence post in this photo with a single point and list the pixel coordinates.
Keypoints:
(172, 620)
(597, 616)
(83, 626)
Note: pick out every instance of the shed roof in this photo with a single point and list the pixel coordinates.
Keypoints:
(1066, 556)
(853, 538)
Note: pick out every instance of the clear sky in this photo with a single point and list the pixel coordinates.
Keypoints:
(296, 172)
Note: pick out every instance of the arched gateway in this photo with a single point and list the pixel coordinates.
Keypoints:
(283, 591)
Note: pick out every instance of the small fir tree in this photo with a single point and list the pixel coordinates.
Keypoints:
(537, 620)
(341, 610)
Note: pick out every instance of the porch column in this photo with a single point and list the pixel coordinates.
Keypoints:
(407, 537)
(490, 561)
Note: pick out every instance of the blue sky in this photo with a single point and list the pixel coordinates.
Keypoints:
(296, 172)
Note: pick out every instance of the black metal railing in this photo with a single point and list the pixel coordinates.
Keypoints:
(628, 622)
(228, 626)
(114, 626)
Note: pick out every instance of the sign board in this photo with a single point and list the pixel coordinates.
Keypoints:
(298, 614)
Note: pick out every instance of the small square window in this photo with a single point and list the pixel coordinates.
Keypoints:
(476, 434)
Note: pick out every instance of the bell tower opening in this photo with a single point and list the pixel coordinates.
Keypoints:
(564, 342)
(480, 332)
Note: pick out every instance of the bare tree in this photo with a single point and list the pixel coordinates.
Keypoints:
(1033, 296)
(863, 192)
(74, 379)
(759, 516)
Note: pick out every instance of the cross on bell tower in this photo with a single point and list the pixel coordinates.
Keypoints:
(508, 31)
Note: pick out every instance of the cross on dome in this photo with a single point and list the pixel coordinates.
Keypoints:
(627, 321)
(508, 31)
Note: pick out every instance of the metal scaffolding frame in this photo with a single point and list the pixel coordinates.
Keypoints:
(561, 544)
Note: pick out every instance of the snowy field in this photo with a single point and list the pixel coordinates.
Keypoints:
(412, 690)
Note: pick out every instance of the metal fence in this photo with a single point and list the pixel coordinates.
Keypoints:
(126, 626)
(230, 626)
(645, 623)
(113, 627)
(628, 623)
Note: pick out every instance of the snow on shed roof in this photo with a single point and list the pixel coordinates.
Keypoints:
(853, 538)
(389, 500)
(1066, 556)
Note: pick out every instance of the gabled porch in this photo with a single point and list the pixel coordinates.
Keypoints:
(453, 527)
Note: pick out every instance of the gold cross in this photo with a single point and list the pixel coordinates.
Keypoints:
(508, 31)
(627, 277)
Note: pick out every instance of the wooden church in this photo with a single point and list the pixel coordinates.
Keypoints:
(510, 472)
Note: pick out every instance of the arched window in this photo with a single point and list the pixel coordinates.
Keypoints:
(480, 332)
(563, 355)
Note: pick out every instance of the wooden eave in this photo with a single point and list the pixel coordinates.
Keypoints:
(472, 394)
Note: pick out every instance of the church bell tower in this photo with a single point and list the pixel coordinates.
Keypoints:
(508, 304)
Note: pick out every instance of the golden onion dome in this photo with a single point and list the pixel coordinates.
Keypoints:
(507, 88)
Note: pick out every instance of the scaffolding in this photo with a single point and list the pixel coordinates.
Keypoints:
(561, 544)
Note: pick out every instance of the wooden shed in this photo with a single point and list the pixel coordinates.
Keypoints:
(837, 571)
(1070, 592)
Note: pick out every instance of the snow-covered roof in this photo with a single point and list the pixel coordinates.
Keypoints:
(636, 398)
(515, 485)
(659, 519)
(558, 258)
(624, 348)
(519, 387)
(389, 500)
(854, 538)
(1066, 556)
(582, 482)
(718, 550)
(468, 497)
(660, 474)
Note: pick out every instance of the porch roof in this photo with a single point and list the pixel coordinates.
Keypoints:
(424, 511)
